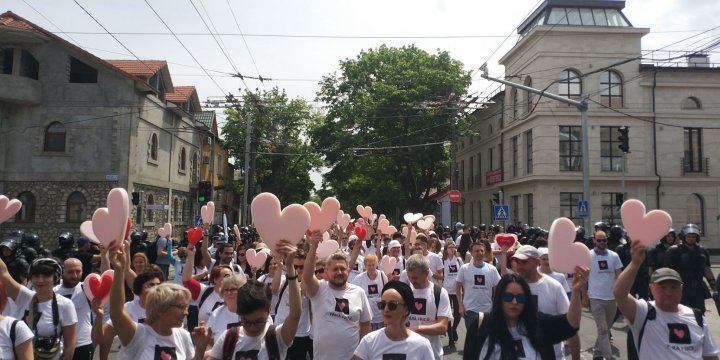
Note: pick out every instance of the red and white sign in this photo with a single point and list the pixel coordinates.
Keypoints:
(493, 176)
(454, 195)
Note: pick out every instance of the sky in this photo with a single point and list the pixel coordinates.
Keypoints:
(296, 42)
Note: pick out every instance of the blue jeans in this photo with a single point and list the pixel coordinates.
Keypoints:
(470, 317)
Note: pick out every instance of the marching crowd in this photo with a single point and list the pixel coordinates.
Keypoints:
(377, 297)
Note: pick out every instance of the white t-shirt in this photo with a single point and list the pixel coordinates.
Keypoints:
(524, 349)
(146, 344)
(424, 312)
(212, 302)
(22, 334)
(377, 346)
(11, 309)
(45, 326)
(478, 284)
(551, 299)
(267, 280)
(399, 265)
(373, 290)
(356, 269)
(452, 268)
(136, 312)
(220, 320)
(404, 276)
(250, 347)
(304, 327)
(338, 314)
(436, 265)
(562, 279)
(602, 274)
(83, 330)
(672, 335)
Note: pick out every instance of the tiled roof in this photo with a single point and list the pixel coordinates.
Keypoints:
(180, 94)
(9, 19)
(205, 117)
(139, 68)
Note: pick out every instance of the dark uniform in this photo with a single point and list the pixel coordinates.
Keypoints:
(691, 261)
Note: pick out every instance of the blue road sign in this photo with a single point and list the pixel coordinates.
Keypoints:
(583, 208)
(501, 212)
(198, 220)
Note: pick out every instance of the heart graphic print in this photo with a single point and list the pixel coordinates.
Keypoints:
(372, 289)
(679, 333)
(480, 280)
(342, 305)
(452, 268)
(419, 307)
(603, 265)
(247, 355)
(165, 353)
(394, 357)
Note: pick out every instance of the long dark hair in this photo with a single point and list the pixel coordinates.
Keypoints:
(498, 332)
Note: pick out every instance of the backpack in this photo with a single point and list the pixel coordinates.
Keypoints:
(270, 338)
(634, 351)
(12, 337)
(151, 251)
(436, 292)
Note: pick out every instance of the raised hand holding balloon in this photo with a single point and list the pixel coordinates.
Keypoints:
(110, 223)
(207, 212)
(274, 224)
(563, 252)
(8, 208)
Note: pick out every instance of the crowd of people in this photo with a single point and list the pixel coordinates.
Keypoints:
(381, 296)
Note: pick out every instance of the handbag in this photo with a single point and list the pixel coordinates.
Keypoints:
(44, 347)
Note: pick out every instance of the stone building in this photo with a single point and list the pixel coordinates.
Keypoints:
(530, 148)
(75, 126)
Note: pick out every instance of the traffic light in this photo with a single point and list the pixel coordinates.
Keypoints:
(135, 198)
(624, 139)
(496, 198)
(204, 191)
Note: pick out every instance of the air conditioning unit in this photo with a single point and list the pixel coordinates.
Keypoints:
(206, 159)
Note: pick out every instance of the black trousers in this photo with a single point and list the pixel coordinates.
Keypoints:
(301, 349)
(84, 352)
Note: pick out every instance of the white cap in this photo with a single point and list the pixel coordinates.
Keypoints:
(543, 251)
(393, 244)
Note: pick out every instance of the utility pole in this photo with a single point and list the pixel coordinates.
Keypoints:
(246, 175)
(582, 106)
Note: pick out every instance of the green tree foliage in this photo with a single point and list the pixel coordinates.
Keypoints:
(283, 157)
(389, 98)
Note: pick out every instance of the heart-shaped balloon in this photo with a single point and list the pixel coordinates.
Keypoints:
(645, 227)
(382, 216)
(236, 230)
(110, 223)
(343, 219)
(429, 217)
(207, 212)
(327, 248)
(373, 218)
(411, 236)
(321, 218)
(194, 235)
(96, 286)
(360, 232)
(165, 231)
(8, 208)
(128, 228)
(424, 224)
(325, 236)
(563, 252)
(384, 227)
(273, 224)
(387, 264)
(86, 229)
(364, 211)
(255, 259)
(411, 218)
(506, 240)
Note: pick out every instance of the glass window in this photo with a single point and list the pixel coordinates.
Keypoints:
(515, 209)
(611, 157)
(557, 16)
(81, 72)
(570, 148)
(573, 15)
(693, 161)
(478, 177)
(611, 203)
(75, 211)
(569, 206)
(600, 19)
(611, 89)
(529, 209)
(6, 59)
(490, 159)
(569, 85)
(614, 18)
(515, 103)
(528, 152)
(183, 159)
(529, 96)
(176, 210)
(587, 17)
(27, 211)
(55, 137)
(514, 145)
(154, 147)
(183, 211)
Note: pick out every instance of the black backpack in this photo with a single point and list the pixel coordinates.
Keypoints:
(151, 251)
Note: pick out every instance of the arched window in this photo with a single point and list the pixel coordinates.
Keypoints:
(55, 137)
(691, 103)
(695, 207)
(515, 103)
(150, 214)
(27, 212)
(529, 96)
(183, 159)
(176, 210)
(75, 211)
(183, 211)
(154, 147)
(611, 89)
(569, 85)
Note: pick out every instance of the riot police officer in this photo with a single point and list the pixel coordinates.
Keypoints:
(138, 242)
(17, 266)
(656, 255)
(616, 237)
(66, 246)
(692, 261)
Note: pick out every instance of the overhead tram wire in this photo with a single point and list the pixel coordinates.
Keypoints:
(212, 23)
(252, 58)
(222, 50)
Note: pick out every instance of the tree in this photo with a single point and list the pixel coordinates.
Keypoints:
(282, 156)
(395, 101)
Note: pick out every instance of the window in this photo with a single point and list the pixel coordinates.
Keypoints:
(81, 72)
(150, 214)
(478, 177)
(691, 103)
(529, 209)
(529, 96)
(176, 210)
(569, 206)
(183, 211)
(470, 182)
(154, 147)
(611, 203)
(462, 175)
(693, 161)
(219, 165)
(27, 211)
(611, 157)
(75, 210)
(183, 160)
(490, 159)
(611, 91)
(55, 137)
(695, 210)
(515, 103)
(29, 67)
(569, 85)
(514, 145)
(515, 209)
(570, 148)
(6, 59)
(528, 152)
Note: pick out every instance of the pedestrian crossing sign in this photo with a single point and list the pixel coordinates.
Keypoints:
(501, 212)
(583, 208)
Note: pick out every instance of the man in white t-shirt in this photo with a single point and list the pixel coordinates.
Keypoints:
(394, 249)
(434, 260)
(355, 259)
(72, 288)
(475, 284)
(429, 316)
(669, 329)
(605, 266)
(341, 310)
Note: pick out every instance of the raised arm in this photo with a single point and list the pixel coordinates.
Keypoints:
(189, 263)
(11, 286)
(621, 291)
(291, 321)
(123, 324)
(277, 277)
(310, 282)
(580, 280)
(205, 244)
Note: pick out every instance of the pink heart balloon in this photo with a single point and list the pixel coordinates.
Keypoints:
(411, 236)
(207, 212)
(86, 229)
(236, 230)
(424, 224)
(274, 225)
(388, 264)
(109, 224)
(364, 211)
(429, 217)
(343, 219)
(645, 227)
(382, 216)
(8, 208)
(327, 248)
(564, 254)
(255, 259)
(96, 285)
(165, 231)
(384, 227)
(411, 218)
(321, 218)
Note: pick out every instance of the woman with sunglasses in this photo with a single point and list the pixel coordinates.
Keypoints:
(515, 329)
(226, 316)
(452, 265)
(395, 338)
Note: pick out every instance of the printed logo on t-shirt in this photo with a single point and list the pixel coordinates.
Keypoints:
(247, 355)
(519, 349)
(396, 272)
(452, 268)
(165, 353)
(679, 333)
(342, 305)
(419, 307)
(602, 264)
(372, 289)
(355, 267)
(394, 357)
(480, 280)
(232, 325)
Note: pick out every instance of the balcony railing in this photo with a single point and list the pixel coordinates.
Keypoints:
(692, 167)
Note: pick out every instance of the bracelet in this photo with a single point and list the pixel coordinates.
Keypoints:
(291, 277)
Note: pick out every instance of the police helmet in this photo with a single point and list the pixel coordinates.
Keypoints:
(65, 240)
(616, 232)
(601, 225)
(10, 243)
(579, 232)
(31, 240)
(690, 229)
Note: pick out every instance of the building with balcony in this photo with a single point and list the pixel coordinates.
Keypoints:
(530, 147)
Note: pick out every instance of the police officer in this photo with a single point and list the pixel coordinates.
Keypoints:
(17, 266)
(138, 242)
(66, 246)
(640, 287)
(692, 261)
(616, 237)
(656, 255)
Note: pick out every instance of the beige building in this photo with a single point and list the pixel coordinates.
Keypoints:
(530, 148)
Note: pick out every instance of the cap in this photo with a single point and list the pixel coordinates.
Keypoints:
(393, 244)
(543, 251)
(83, 240)
(432, 233)
(663, 274)
(526, 252)
(352, 238)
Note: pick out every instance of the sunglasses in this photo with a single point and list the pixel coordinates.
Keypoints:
(600, 239)
(391, 305)
(319, 271)
(520, 298)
